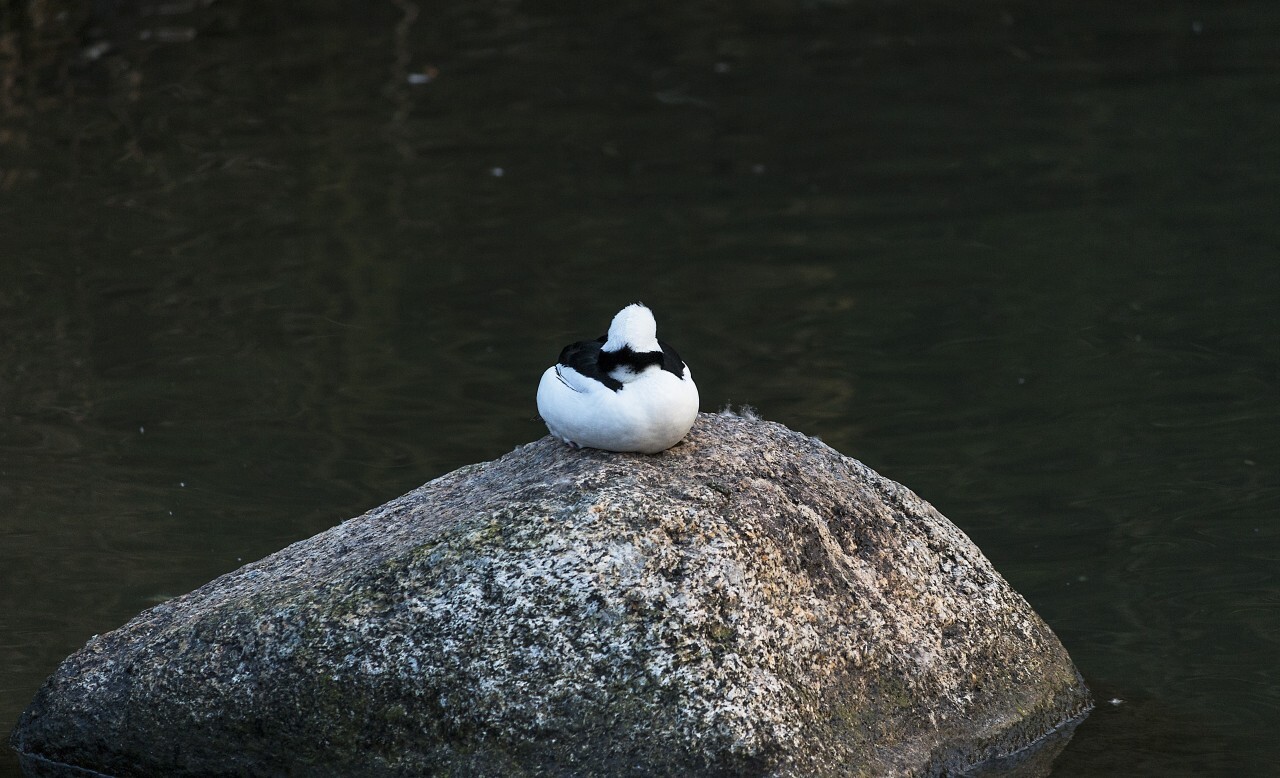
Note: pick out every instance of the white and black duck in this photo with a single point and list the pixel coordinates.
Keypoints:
(625, 391)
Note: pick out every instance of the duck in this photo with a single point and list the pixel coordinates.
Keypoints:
(625, 391)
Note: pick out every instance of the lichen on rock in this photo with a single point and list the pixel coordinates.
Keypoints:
(750, 602)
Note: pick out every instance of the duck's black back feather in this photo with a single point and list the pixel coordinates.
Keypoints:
(584, 357)
(667, 359)
(588, 358)
(671, 361)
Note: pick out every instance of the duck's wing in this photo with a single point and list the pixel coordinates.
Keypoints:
(584, 358)
(671, 361)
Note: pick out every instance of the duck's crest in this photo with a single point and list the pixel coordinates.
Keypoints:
(634, 327)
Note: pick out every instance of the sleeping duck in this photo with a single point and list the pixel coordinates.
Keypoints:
(625, 391)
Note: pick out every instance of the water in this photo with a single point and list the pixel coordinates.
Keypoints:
(267, 269)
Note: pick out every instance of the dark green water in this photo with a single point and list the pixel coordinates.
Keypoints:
(1023, 259)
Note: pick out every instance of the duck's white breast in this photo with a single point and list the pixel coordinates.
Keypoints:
(647, 415)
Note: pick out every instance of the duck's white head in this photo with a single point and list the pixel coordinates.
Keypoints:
(634, 327)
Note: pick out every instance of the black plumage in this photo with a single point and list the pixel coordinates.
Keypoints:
(589, 359)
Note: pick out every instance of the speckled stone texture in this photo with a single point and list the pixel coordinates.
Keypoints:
(749, 603)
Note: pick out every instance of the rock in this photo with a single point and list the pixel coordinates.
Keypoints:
(750, 602)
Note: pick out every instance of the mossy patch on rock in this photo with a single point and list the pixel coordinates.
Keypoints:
(750, 602)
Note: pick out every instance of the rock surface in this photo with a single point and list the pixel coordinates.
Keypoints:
(750, 602)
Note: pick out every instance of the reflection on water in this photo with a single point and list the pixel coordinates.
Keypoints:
(268, 275)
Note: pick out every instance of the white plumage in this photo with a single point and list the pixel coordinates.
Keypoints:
(625, 391)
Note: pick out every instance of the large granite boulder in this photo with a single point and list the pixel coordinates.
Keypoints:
(750, 602)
